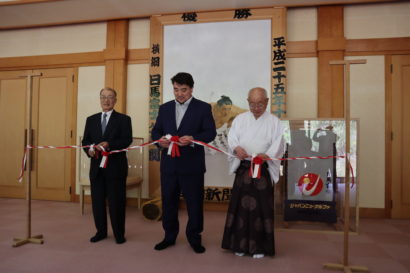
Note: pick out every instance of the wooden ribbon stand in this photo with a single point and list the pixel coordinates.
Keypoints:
(38, 239)
(345, 263)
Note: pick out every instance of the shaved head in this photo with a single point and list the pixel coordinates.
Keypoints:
(258, 100)
(258, 92)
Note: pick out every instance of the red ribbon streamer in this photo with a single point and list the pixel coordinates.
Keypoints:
(105, 154)
(256, 161)
(175, 148)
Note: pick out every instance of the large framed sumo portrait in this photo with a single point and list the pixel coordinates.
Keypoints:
(227, 53)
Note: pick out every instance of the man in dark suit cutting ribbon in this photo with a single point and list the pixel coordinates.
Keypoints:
(108, 131)
(185, 118)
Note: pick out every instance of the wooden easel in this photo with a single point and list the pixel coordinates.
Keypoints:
(38, 239)
(344, 266)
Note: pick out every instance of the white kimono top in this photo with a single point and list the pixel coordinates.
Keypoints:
(262, 135)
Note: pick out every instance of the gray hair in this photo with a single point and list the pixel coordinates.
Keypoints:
(109, 89)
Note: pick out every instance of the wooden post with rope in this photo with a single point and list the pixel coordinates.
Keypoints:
(37, 239)
(344, 266)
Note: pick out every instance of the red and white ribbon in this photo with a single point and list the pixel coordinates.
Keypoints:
(104, 159)
(23, 165)
(212, 147)
(256, 167)
(173, 148)
(28, 147)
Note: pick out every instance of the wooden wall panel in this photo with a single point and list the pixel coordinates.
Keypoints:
(382, 46)
(353, 47)
(330, 85)
(331, 44)
(301, 49)
(116, 60)
(55, 60)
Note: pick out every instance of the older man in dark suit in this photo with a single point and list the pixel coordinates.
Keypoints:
(108, 130)
(188, 118)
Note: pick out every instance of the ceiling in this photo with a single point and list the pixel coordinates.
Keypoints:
(31, 13)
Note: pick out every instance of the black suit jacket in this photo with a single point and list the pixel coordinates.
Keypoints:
(197, 122)
(118, 134)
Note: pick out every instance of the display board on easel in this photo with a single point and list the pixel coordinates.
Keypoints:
(314, 189)
(227, 52)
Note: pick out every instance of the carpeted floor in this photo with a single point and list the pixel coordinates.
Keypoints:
(383, 245)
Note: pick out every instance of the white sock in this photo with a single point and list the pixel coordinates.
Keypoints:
(258, 256)
(240, 254)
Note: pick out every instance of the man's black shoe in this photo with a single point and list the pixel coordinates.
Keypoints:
(120, 240)
(198, 248)
(97, 237)
(163, 245)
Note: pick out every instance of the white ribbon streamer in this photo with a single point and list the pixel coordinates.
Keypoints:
(103, 159)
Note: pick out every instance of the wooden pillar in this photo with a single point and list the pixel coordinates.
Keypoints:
(331, 47)
(155, 99)
(115, 56)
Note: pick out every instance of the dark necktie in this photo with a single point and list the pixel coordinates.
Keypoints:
(104, 123)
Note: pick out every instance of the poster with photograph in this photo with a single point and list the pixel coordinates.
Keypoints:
(226, 60)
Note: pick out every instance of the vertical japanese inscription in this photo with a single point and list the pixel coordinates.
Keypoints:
(279, 76)
(154, 95)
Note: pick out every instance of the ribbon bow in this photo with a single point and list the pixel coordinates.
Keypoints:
(173, 148)
(255, 169)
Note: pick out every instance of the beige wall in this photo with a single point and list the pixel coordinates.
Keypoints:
(138, 33)
(53, 40)
(301, 24)
(301, 97)
(90, 81)
(368, 104)
(138, 91)
(368, 91)
(137, 109)
(377, 21)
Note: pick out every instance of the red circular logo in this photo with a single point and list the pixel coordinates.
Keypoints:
(310, 184)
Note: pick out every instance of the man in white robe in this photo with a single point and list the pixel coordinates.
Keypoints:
(249, 222)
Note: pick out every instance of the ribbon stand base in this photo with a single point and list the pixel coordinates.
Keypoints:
(38, 239)
(346, 268)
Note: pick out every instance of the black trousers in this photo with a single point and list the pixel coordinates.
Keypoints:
(114, 191)
(192, 188)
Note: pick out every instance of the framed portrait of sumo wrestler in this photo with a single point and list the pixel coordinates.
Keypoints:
(227, 53)
(226, 59)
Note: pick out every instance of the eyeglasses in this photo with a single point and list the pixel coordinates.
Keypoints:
(107, 98)
(257, 105)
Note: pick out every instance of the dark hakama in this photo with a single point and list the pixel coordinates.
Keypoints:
(249, 222)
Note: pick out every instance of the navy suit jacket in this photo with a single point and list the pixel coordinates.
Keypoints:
(118, 134)
(197, 122)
